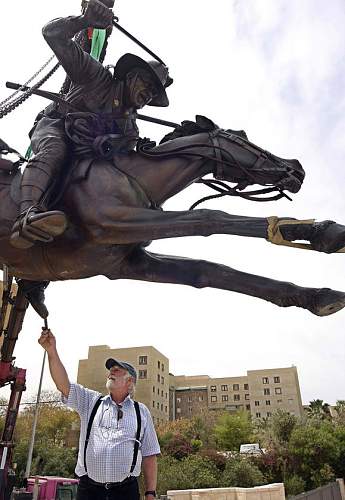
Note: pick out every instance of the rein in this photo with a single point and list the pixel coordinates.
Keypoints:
(222, 158)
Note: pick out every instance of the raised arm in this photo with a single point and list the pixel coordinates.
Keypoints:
(59, 33)
(57, 369)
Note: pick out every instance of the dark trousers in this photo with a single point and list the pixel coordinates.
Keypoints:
(88, 490)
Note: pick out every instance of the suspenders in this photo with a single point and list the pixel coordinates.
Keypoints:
(137, 437)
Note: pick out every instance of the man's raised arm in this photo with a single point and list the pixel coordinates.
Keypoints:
(59, 33)
(57, 369)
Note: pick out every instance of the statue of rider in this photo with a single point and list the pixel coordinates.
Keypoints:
(97, 118)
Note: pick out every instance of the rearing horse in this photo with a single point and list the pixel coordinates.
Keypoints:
(113, 212)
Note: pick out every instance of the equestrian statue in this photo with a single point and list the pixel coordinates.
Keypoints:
(90, 200)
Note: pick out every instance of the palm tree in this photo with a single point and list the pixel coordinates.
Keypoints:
(317, 408)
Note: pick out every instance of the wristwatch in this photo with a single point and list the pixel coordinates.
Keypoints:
(150, 492)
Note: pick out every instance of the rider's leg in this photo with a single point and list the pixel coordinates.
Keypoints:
(144, 266)
(110, 224)
(35, 222)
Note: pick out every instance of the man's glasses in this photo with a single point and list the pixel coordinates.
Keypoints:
(119, 414)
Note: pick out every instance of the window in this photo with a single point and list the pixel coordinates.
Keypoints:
(178, 410)
(278, 390)
(142, 373)
(166, 409)
(265, 380)
(142, 360)
(157, 405)
(190, 399)
(267, 392)
(213, 388)
(258, 415)
(225, 397)
(237, 397)
(268, 402)
(224, 388)
(236, 387)
(246, 396)
(276, 380)
(178, 400)
(166, 395)
(190, 409)
(257, 403)
(213, 399)
(248, 407)
(153, 389)
(290, 401)
(279, 400)
(162, 380)
(159, 365)
(162, 367)
(269, 414)
(158, 378)
(246, 387)
(161, 407)
(153, 404)
(158, 391)
(201, 398)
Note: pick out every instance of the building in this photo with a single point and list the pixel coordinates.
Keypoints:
(152, 367)
(172, 397)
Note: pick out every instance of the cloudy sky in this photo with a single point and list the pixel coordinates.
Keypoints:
(272, 67)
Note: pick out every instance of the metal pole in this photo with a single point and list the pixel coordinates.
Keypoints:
(32, 441)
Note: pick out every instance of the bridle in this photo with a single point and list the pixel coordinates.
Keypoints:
(222, 158)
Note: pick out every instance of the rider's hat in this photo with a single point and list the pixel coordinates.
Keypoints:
(157, 70)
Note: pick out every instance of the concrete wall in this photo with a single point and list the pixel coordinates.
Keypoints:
(267, 492)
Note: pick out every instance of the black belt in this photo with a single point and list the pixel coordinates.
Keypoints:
(109, 486)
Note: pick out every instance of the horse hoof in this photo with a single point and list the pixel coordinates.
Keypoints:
(327, 301)
(329, 237)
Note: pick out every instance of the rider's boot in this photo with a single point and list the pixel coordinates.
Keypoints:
(34, 292)
(326, 236)
(35, 222)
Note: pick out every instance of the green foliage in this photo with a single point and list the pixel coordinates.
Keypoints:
(319, 409)
(233, 430)
(294, 485)
(282, 425)
(193, 471)
(241, 472)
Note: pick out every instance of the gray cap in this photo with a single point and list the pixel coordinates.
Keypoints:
(122, 364)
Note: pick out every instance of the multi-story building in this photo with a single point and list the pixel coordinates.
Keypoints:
(171, 397)
(152, 367)
(261, 392)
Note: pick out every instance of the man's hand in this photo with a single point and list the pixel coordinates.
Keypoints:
(47, 341)
(98, 15)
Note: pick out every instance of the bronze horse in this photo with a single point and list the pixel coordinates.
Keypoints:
(113, 208)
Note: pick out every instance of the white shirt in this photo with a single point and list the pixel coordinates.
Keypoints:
(109, 453)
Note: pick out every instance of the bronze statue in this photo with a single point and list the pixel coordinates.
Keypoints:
(99, 214)
(113, 211)
(98, 111)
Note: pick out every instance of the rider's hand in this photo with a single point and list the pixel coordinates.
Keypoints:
(47, 341)
(98, 15)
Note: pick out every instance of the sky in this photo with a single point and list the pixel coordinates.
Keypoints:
(274, 68)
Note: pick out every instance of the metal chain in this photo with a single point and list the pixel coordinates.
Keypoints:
(10, 97)
(8, 108)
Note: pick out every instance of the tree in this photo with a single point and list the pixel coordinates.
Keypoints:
(319, 409)
(233, 430)
(242, 473)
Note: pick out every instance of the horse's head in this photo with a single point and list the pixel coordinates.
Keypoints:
(243, 162)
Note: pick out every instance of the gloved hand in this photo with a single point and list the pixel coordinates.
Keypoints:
(97, 15)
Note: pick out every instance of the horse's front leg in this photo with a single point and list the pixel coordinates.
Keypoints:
(145, 266)
(109, 224)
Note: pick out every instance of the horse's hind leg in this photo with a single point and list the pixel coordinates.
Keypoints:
(145, 266)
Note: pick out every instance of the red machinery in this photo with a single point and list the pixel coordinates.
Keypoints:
(13, 309)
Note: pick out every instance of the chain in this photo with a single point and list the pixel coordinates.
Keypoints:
(8, 108)
(10, 97)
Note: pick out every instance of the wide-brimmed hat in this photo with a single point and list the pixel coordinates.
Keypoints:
(122, 364)
(157, 70)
